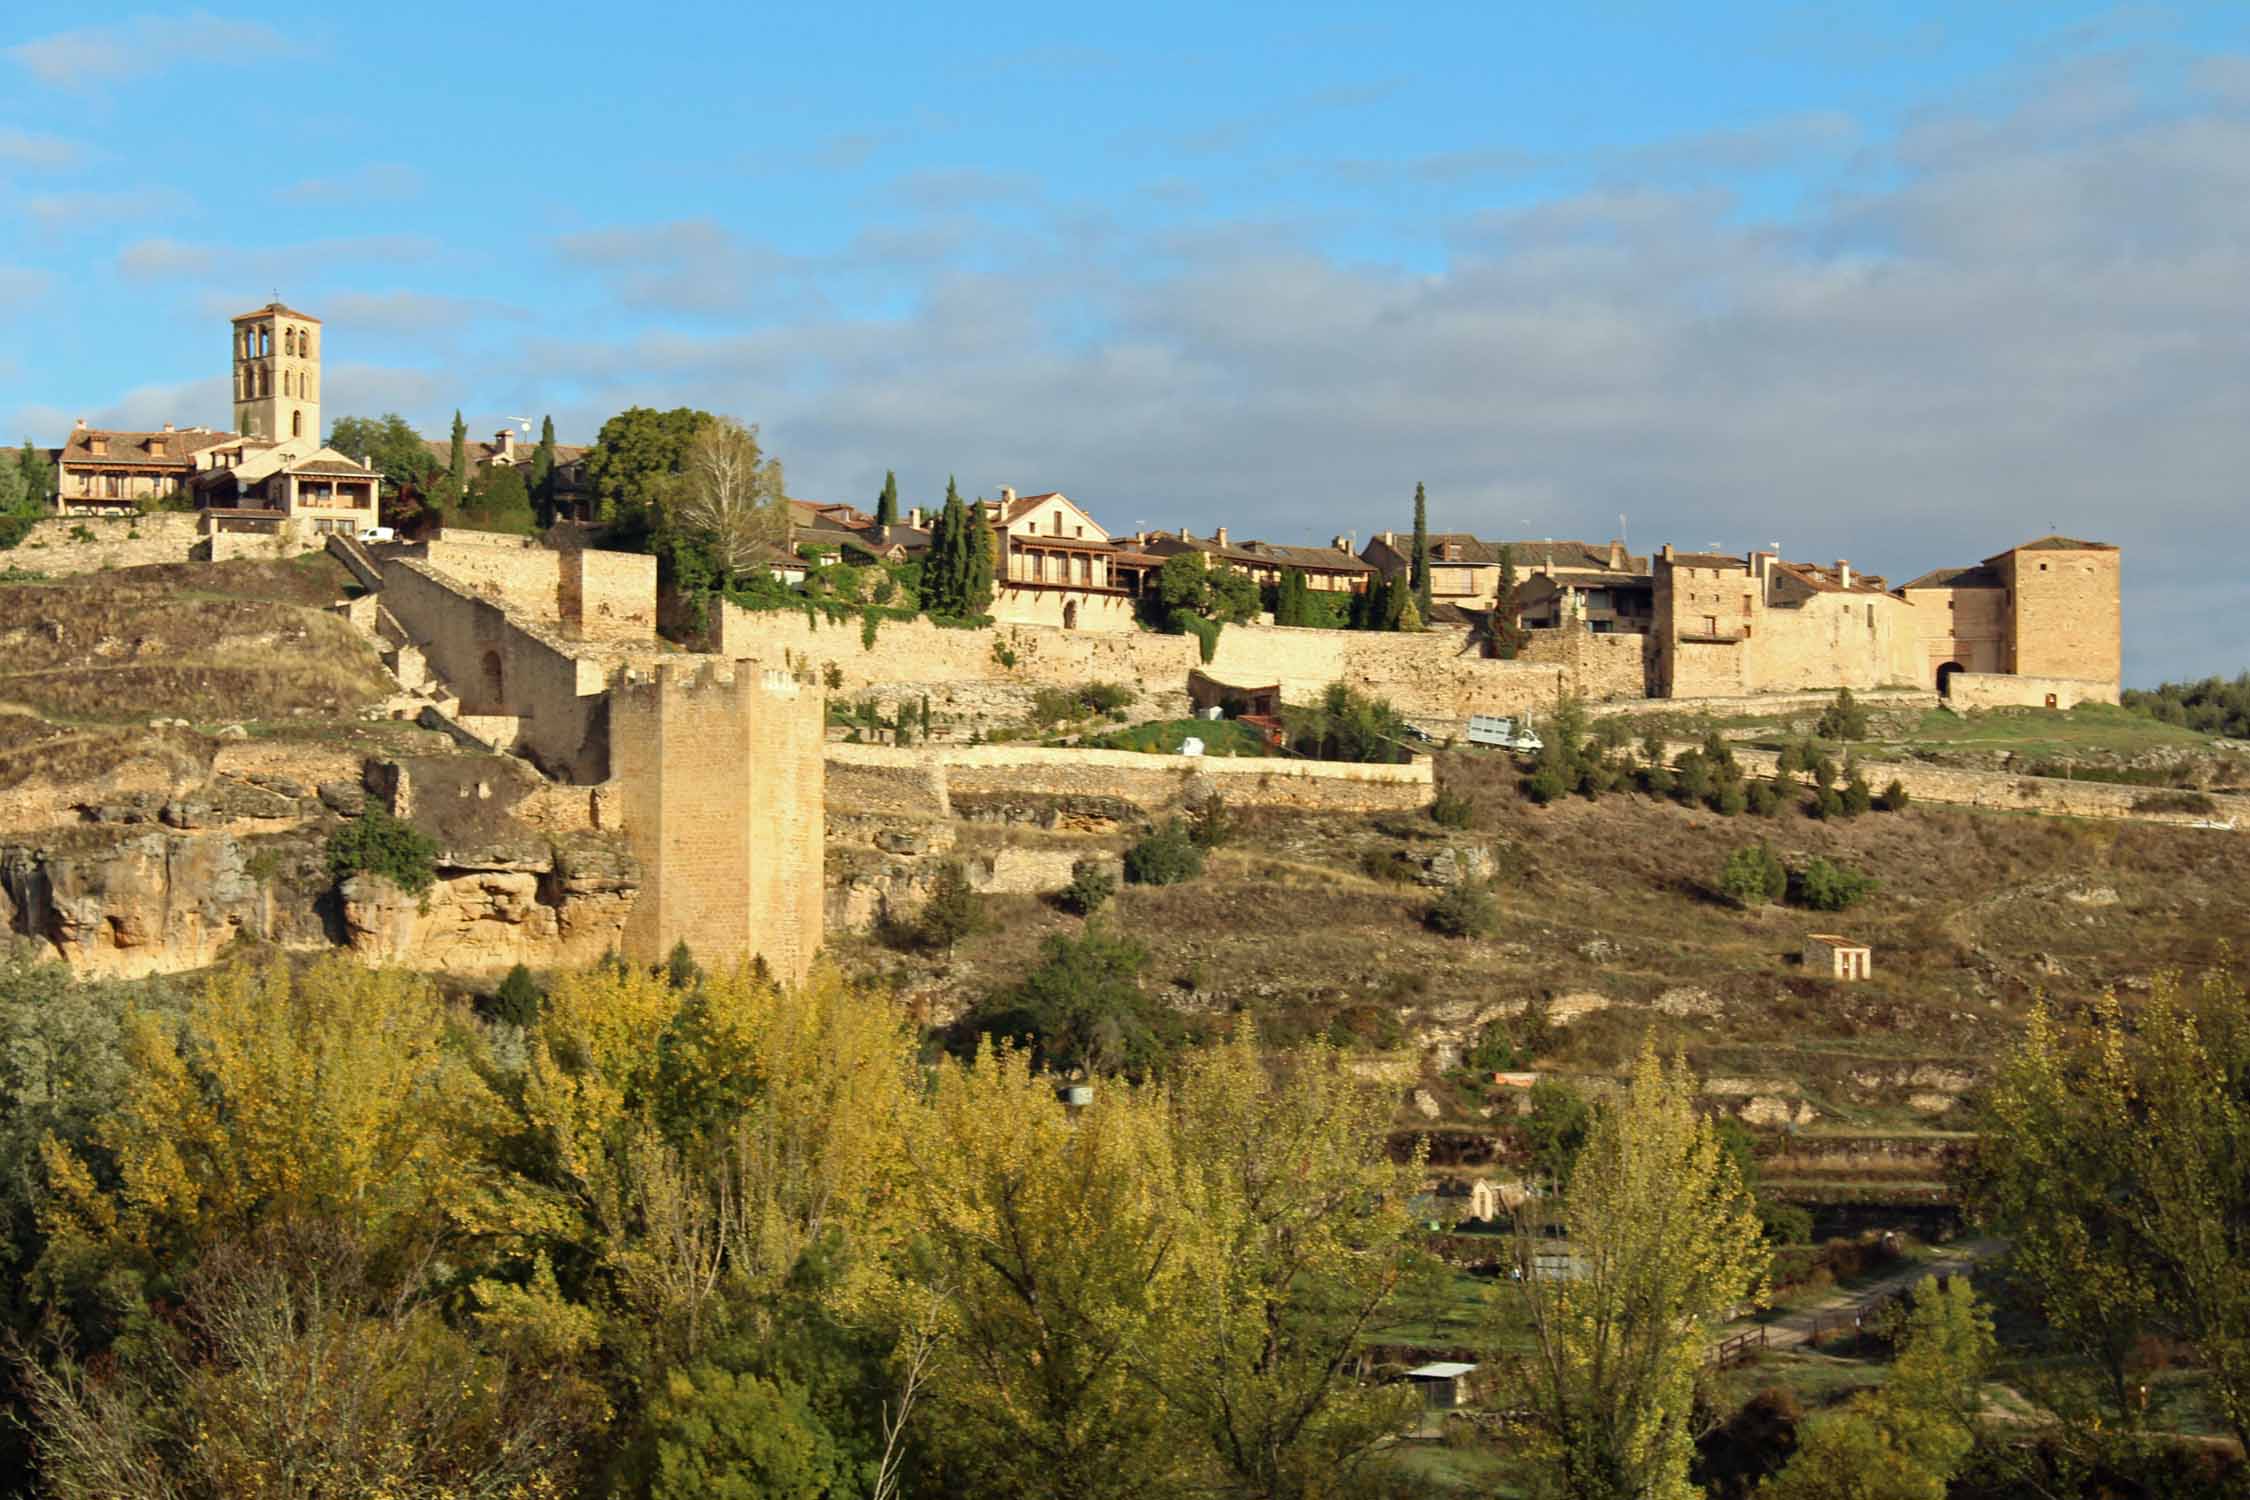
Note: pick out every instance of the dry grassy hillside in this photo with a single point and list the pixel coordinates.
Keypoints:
(201, 642)
(1610, 910)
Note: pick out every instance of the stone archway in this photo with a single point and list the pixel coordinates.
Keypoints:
(1945, 676)
(1070, 615)
(495, 683)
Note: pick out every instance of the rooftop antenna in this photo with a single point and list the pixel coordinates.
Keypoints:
(523, 422)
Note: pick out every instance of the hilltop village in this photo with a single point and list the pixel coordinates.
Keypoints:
(700, 725)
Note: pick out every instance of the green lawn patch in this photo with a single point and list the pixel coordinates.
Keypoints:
(1164, 737)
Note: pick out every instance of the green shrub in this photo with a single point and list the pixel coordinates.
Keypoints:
(1843, 719)
(1753, 875)
(1764, 798)
(1090, 888)
(1106, 697)
(1082, 1008)
(1856, 796)
(518, 1000)
(1052, 705)
(1823, 886)
(1209, 823)
(1895, 797)
(953, 910)
(375, 843)
(1730, 800)
(1167, 856)
(1826, 803)
(2175, 802)
(1464, 910)
(1452, 810)
(1547, 784)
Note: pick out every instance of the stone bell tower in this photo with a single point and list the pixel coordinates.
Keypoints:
(277, 376)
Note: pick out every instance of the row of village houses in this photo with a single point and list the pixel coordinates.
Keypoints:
(1711, 623)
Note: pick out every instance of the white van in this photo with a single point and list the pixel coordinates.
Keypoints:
(379, 534)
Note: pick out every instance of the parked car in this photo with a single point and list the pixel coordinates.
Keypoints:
(379, 534)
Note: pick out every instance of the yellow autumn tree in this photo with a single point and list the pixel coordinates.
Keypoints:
(1662, 1244)
(328, 1091)
(697, 1140)
(1051, 1244)
(1294, 1235)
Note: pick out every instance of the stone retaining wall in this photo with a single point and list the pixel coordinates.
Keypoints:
(921, 782)
(118, 542)
(1969, 690)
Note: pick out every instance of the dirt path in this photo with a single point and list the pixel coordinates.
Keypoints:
(1796, 1326)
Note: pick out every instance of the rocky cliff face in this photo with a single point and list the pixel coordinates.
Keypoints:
(165, 881)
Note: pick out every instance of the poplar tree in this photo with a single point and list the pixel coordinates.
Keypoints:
(886, 504)
(1421, 564)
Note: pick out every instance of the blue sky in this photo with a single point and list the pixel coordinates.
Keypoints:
(1904, 284)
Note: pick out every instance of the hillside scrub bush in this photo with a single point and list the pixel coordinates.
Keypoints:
(1106, 697)
(1210, 825)
(1166, 856)
(952, 911)
(2175, 802)
(1824, 886)
(376, 843)
(1895, 797)
(516, 1002)
(1453, 810)
(1090, 888)
(1843, 719)
(1752, 876)
(1464, 910)
(1856, 796)
(1545, 785)
(1731, 800)
(1826, 803)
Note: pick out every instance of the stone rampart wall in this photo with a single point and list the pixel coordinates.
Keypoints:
(516, 571)
(607, 596)
(1436, 674)
(506, 667)
(1967, 690)
(921, 782)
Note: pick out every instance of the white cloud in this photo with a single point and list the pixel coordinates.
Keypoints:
(24, 148)
(90, 210)
(385, 182)
(138, 46)
(161, 258)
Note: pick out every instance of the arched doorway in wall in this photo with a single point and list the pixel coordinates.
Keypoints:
(495, 685)
(1070, 615)
(1945, 676)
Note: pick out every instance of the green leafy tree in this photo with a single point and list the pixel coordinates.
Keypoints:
(1555, 1129)
(636, 461)
(727, 500)
(1167, 856)
(1420, 565)
(38, 471)
(1082, 1008)
(1465, 909)
(390, 444)
(886, 504)
(1665, 1243)
(1231, 596)
(498, 500)
(1825, 886)
(456, 464)
(1183, 583)
(1753, 875)
(715, 1434)
(517, 1000)
(1090, 889)
(2111, 1155)
(946, 574)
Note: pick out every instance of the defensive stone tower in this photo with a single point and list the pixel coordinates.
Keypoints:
(720, 775)
(277, 375)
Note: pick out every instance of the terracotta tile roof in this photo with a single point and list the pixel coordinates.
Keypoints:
(1479, 552)
(1321, 559)
(1980, 576)
(478, 453)
(175, 448)
(1826, 581)
(1709, 560)
(271, 309)
(330, 466)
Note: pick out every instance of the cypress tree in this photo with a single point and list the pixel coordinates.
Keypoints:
(1421, 549)
(945, 577)
(976, 593)
(1507, 630)
(543, 473)
(886, 504)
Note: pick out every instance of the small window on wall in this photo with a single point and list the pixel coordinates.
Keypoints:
(297, 429)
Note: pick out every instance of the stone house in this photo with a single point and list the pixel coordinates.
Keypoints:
(1833, 957)
(1058, 565)
(2048, 609)
(1330, 569)
(574, 495)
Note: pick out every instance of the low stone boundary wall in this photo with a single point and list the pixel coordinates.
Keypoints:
(1969, 690)
(61, 547)
(1767, 703)
(2012, 793)
(922, 782)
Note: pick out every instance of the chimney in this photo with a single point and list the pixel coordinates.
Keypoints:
(505, 441)
(1220, 536)
(914, 517)
(81, 425)
(1186, 535)
(1843, 573)
(1390, 538)
(1616, 555)
(168, 427)
(1007, 494)
(1666, 554)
